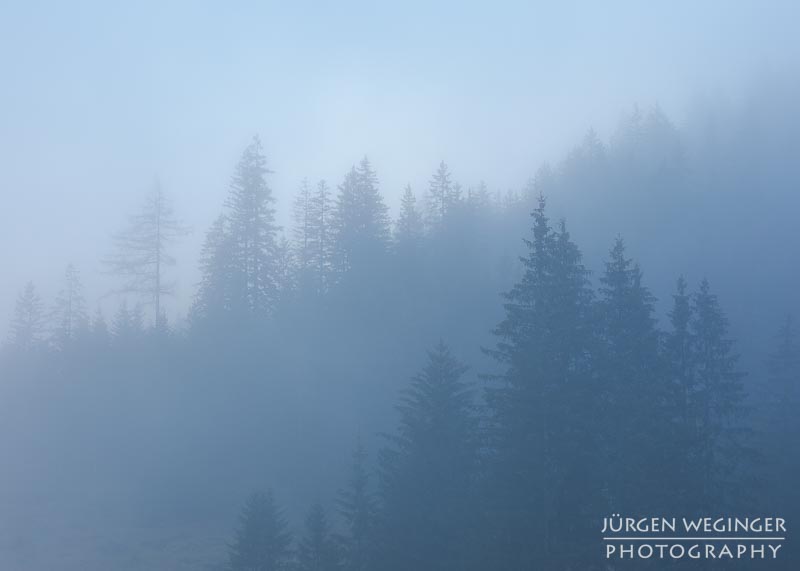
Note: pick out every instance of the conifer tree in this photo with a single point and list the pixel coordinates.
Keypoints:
(215, 292)
(361, 220)
(128, 324)
(544, 445)
(679, 350)
(69, 313)
(428, 471)
(440, 195)
(323, 235)
(635, 390)
(409, 227)
(262, 541)
(303, 231)
(719, 398)
(312, 237)
(141, 254)
(783, 370)
(782, 422)
(252, 232)
(28, 322)
(317, 550)
(357, 510)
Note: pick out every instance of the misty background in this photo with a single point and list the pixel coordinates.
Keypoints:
(672, 125)
(100, 99)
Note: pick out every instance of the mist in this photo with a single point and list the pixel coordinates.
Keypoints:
(245, 249)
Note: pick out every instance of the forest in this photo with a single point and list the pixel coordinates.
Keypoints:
(472, 382)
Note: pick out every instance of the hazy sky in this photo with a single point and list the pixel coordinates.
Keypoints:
(97, 99)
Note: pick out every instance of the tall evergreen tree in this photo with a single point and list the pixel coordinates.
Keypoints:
(262, 541)
(69, 313)
(719, 398)
(141, 253)
(409, 227)
(440, 195)
(361, 220)
(317, 550)
(357, 510)
(781, 422)
(303, 231)
(323, 235)
(679, 352)
(783, 370)
(252, 231)
(312, 237)
(28, 323)
(428, 472)
(543, 442)
(215, 292)
(635, 390)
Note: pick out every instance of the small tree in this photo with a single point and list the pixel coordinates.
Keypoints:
(317, 550)
(70, 309)
(262, 541)
(409, 227)
(357, 509)
(428, 470)
(441, 195)
(27, 325)
(141, 251)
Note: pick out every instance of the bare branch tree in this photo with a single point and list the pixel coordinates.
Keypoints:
(141, 251)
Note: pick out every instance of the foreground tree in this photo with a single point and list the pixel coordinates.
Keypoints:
(545, 446)
(357, 510)
(141, 253)
(317, 550)
(428, 471)
(719, 406)
(262, 541)
(635, 391)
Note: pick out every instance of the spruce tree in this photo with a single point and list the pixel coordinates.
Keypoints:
(681, 362)
(215, 293)
(28, 322)
(719, 398)
(127, 325)
(428, 471)
(409, 227)
(357, 510)
(544, 444)
(782, 422)
(323, 236)
(303, 232)
(361, 220)
(634, 391)
(69, 313)
(317, 550)
(440, 195)
(252, 232)
(262, 541)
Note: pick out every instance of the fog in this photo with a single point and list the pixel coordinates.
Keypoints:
(131, 441)
(102, 99)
